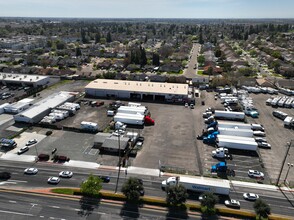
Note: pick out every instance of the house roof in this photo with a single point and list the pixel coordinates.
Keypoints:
(139, 86)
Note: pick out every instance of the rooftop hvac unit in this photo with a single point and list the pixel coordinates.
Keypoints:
(37, 77)
(25, 76)
(30, 79)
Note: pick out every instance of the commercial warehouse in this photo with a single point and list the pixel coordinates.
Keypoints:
(43, 107)
(139, 90)
(24, 80)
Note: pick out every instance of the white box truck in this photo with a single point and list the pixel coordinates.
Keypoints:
(236, 132)
(238, 116)
(236, 144)
(199, 184)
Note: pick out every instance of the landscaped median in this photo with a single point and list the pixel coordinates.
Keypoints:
(160, 202)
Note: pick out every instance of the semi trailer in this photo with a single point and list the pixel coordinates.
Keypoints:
(236, 144)
(229, 115)
(236, 132)
(199, 184)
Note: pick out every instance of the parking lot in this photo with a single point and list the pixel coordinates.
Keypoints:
(276, 135)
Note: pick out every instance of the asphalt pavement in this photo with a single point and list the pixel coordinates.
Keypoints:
(32, 206)
(281, 201)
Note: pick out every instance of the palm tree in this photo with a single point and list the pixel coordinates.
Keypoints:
(262, 209)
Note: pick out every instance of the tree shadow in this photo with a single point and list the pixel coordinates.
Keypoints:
(179, 212)
(130, 210)
(209, 217)
(88, 204)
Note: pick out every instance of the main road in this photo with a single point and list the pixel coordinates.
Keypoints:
(281, 202)
(24, 206)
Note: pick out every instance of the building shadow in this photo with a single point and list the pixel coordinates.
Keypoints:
(180, 212)
(130, 211)
(88, 204)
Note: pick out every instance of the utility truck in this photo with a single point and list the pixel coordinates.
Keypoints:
(199, 184)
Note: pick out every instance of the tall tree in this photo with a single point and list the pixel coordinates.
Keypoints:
(91, 186)
(143, 60)
(155, 59)
(108, 38)
(132, 189)
(97, 37)
(262, 209)
(176, 195)
(208, 202)
(78, 52)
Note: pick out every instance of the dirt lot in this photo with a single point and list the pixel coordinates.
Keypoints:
(171, 141)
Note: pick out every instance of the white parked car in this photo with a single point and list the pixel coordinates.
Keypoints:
(53, 180)
(250, 196)
(31, 170)
(66, 174)
(259, 133)
(264, 145)
(31, 142)
(255, 173)
(232, 203)
(22, 150)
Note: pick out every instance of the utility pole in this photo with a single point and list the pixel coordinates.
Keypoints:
(289, 144)
(119, 163)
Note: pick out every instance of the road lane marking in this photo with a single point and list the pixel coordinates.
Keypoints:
(16, 213)
(12, 201)
(17, 181)
(56, 207)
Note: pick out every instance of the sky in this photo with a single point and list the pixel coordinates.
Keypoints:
(148, 8)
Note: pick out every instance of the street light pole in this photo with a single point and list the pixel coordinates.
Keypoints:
(119, 163)
(289, 166)
(281, 170)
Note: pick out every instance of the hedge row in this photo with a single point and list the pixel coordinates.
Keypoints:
(161, 202)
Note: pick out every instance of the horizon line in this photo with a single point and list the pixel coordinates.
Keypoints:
(137, 18)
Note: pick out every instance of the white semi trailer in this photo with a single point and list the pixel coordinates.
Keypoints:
(236, 132)
(236, 144)
(129, 119)
(131, 110)
(229, 115)
(199, 184)
(239, 125)
(236, 137)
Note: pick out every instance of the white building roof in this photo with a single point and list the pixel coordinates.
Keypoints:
(139, 86)
(21, 77)
(51, 101)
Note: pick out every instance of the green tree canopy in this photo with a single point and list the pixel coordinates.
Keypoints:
(91, 186)
(132, 188)
(262, 209)
(176, 195)
(201, 59)
(208, 202)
